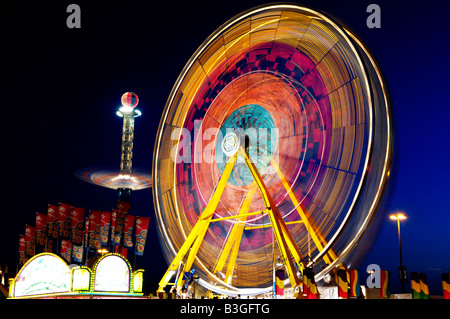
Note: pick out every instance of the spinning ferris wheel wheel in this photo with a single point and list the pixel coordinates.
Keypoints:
(275, 141)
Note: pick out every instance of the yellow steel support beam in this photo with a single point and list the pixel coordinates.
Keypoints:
(266, 226)
(319, 239)
(231, 247)
(238, 216)
(196, 235)
(286, 243)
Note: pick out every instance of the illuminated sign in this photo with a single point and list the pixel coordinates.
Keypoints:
(81, 278)
(112, 273)
(43, 274)
(48, 276)
(138, 281)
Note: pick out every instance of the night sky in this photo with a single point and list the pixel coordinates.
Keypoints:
(61, 88)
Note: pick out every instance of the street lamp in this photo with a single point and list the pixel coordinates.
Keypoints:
(402, 269)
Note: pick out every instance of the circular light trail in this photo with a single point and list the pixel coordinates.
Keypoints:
(312, 102)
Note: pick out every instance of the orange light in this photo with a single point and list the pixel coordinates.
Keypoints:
(398, 216)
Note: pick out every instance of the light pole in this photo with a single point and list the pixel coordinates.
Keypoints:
(402, 269)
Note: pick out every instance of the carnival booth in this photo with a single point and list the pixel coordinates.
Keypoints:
(47, 276)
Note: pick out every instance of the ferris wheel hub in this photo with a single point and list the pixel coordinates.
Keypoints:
(230, 144)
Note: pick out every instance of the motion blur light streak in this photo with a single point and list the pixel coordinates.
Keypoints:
(115, 179)
(290, 68)
(68, 90)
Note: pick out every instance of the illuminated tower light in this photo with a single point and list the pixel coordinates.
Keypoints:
(125, 179)
(128, 112)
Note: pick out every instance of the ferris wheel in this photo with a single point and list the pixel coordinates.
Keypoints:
(274, 145)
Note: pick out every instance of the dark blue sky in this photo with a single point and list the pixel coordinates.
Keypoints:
(61, 88)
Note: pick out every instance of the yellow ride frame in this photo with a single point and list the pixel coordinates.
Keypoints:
(287, 245)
